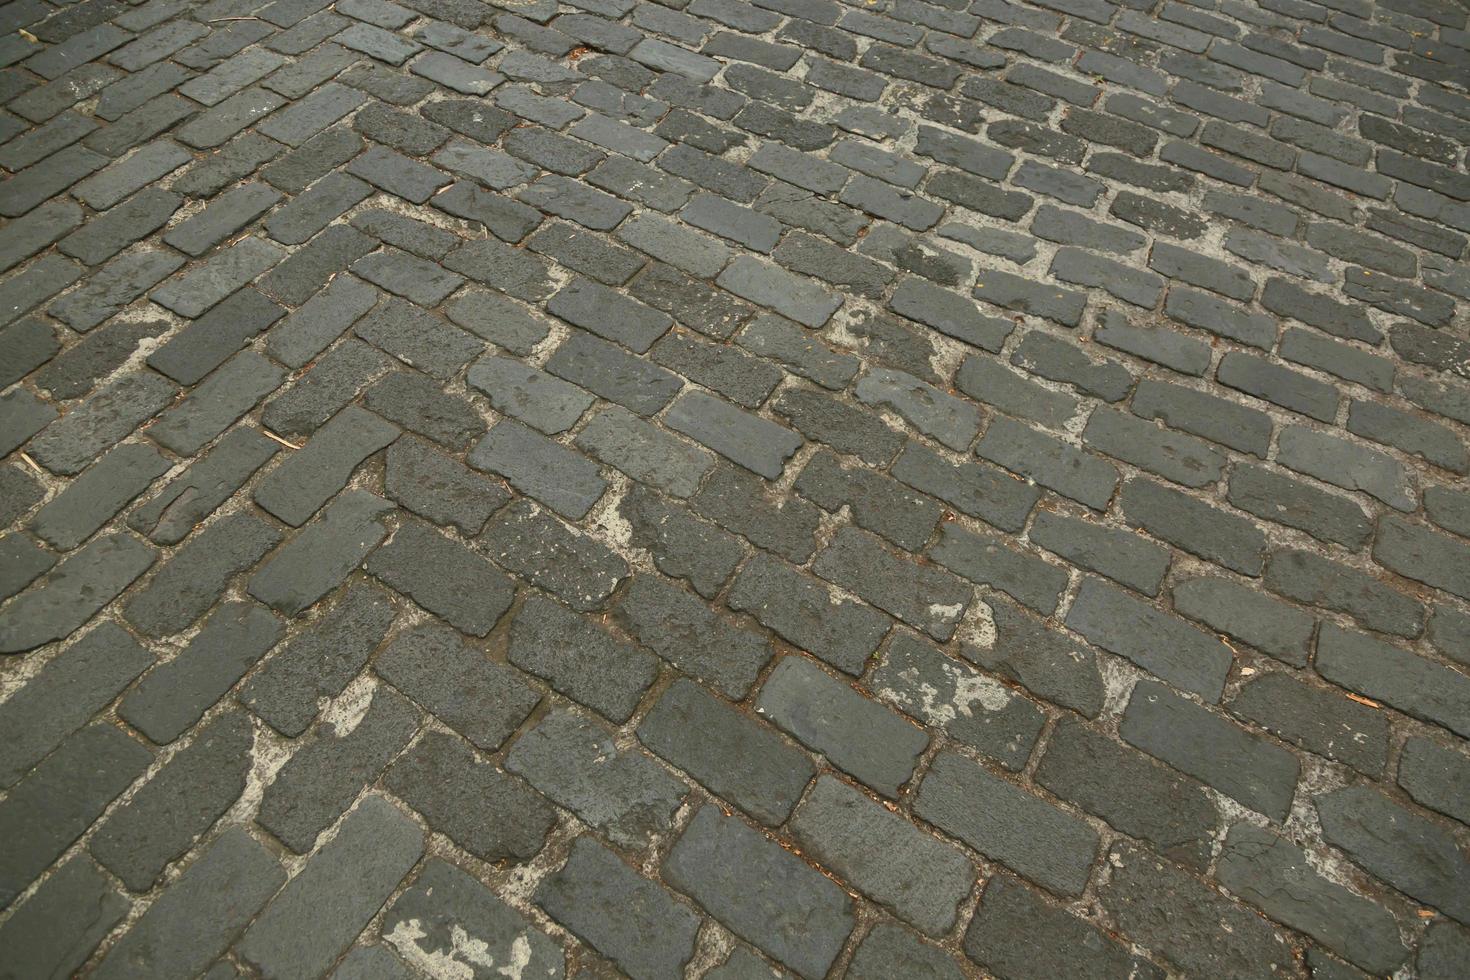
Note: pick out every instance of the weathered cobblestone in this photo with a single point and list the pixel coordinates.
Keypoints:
(762, 893)
(619, 357)
(739, 757)
(1018, 933)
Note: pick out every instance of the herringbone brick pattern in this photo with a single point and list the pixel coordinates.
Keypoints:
(698, 488)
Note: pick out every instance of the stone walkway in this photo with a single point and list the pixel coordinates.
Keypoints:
(889, 489)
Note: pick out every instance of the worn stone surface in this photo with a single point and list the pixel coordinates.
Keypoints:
(1024, 420)
(448, 916)
(761, 892)
(919, 878)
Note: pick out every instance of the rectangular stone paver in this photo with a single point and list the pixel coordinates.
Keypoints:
(855, 734)
(900, 867)
(314, 918)
(1053, 848)
(761, 892)
(195, 921)
(734, 755)
(629, 919)
(445, 909)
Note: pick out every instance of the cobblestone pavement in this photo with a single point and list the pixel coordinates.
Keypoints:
(895, 489)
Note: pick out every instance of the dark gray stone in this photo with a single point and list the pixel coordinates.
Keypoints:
(197, 575)
(936, 413)
(986, 559)
(688, 635)
(682, 545)
(946, 694)
(1016, 933)
(194, 921)
(1308, 577)
(319, 662)
(203, 486)
(1191, 925)
(73, 592)
(753, 442)
(922, 596)
(439, 488)
(444, 577)
(210, 340)
(1007, 824)
(175, 695)
(1272, 627)
(580, 659)
(1410, 852)
(418, 338)
(574, 762)
(735, 756)
(65, 694)
(482, 700)
(323, 554)
(1246, 768)
(329, 769)
(877, 502)
(1436, 777)
(445, 908)
(921, 879)
(1162, 644)
(976, 489)
(326, 388)
(1049, 462)
(1276, 876)
(1318, 720)
(559, 478)
(858, 736)
(629, 919)
(579, 569)
(1415, 685)
(50, 808)
(178, 804)
(70, 444)
(761, 892)
(94, 497)
(1125, 558)
(804, 612)
(1418, 553)
(58, 927)
(316, 917)
(1195, 526)
(483, 810)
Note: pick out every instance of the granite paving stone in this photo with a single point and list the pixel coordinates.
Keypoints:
(592, 487)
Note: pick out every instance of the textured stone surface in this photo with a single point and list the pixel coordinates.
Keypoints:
(1024, 423)
(762, 893)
